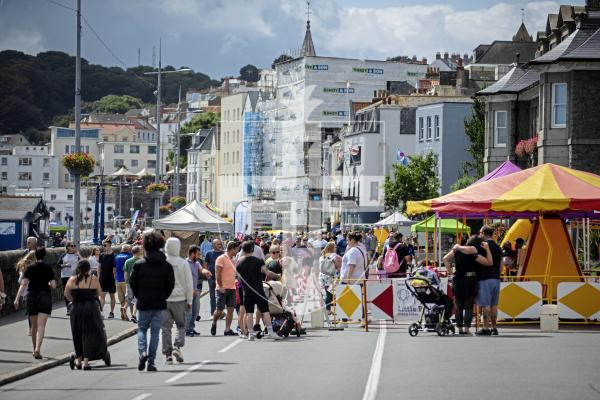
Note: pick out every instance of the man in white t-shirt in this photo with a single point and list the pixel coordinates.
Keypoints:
(354, 261)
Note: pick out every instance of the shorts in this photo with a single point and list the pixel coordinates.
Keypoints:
(488, 292)
(129, 297)
(225, 300)
(39, 303)
(251, 299)
(108, 286)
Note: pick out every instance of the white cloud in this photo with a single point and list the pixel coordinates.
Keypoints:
(28, 41)
(423, 30)
(237, 17)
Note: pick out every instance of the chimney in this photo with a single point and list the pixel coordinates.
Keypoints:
(424, 60)
(446, 56)
(460, 75)
(438, 56)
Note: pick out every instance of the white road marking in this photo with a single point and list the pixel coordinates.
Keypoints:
(231, 346)
(373, 381)
(190, 369)
(142, 396)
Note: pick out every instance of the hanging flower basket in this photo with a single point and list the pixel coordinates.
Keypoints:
(177, 202)
(520, 149)
(156, 188)
(530, 145)
(79, 163)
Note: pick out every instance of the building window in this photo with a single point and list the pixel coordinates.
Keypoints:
(52, 197)
(428, 128)
(134, 149)
(118, 163)
(151, 164)
(374, 191)
(4, 175)
(69, 197)
(105, 138)
(67, 178)
(125, 139)
(25, 161)
(151, 149)
(500, 130)
(66, 149)
(87, 149)
(4, 161)
(436, 127)
(46, 162)
(421, 129)
(134, 163)
(559, 105)
(119, 148)
(24, 176)
(46, 176)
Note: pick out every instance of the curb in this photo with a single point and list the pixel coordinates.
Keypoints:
(58, 360)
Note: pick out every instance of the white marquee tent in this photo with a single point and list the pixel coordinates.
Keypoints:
(195, 217)
(396, 218)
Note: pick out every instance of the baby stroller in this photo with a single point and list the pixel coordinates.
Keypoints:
(434, 311)
(283, 318)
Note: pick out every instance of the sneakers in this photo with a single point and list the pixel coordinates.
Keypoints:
(192, 334)
(213, 329)
(494, 332)
(111, 315)
(251, 337)
(177, 354)
(229, 333)
(151, 368)
(484, 332)
(273, 336)
(142, 362)
(243, 335)
(134, 319)
(169, 360)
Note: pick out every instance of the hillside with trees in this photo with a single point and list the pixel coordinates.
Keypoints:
(35, 91)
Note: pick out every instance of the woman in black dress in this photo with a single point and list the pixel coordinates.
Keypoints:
(87, 328)
(38, 279)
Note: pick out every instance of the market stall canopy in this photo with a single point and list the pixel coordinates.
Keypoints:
(547, 188)
(447, 226)
(195, 216)
(144, 172)
(123, 172)
(396, 218)
(504, 169)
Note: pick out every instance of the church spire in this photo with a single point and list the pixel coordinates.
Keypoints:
(308, 48)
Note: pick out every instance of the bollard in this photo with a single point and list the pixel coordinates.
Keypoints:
(316, 318)
(549, 318)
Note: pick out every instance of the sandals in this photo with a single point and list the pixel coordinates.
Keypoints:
(37, 355)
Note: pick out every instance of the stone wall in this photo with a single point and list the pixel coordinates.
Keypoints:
(584, 149)
(8, 261)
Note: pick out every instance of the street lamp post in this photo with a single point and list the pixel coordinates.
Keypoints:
(159, 73)
(77, 189)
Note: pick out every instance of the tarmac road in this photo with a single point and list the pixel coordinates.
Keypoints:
(351, 364)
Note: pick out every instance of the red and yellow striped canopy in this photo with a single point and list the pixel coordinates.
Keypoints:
(547, 188)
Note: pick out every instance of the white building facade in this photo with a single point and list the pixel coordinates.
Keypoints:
(28, 167)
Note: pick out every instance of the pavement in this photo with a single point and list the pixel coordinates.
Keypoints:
(16, 345)
(521, 363)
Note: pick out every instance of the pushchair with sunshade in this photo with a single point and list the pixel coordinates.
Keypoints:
(436, 307)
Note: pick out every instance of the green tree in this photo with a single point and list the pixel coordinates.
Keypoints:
(113, 104)
(475, 130)
(249, 73)
(416, 181)
(205, 120)
(462, 182)
(280, 59)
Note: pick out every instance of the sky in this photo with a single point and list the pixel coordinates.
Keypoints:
(218, 37)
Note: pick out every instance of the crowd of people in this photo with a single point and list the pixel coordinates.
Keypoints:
(157, 288)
